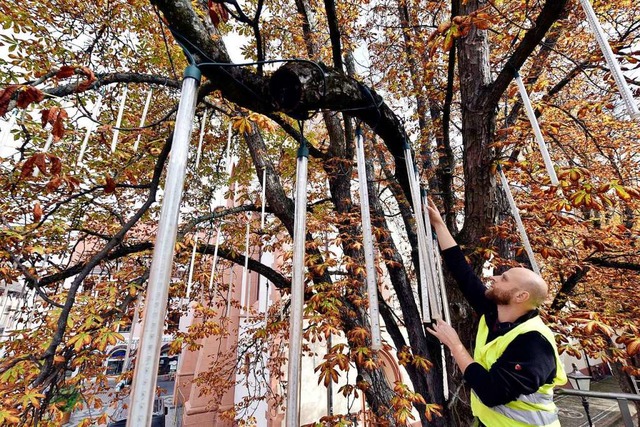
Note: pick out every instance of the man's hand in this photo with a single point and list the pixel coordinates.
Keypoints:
(445, 333)
(444, 236)
(449, 337)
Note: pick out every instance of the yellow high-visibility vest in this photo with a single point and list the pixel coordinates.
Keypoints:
(535, 409)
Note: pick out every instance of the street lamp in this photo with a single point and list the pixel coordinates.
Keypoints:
(580, 381)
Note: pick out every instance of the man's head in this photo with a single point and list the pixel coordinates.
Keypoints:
(518, 286)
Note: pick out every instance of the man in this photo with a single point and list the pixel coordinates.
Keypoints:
(515, 364)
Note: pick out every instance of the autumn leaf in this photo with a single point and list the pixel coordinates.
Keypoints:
(55, 165)
(37, 212)
(218, 13)
(54, 116)
(110, 185)
(5, 97)
(65, 71)
(28, 95)
(7, 416)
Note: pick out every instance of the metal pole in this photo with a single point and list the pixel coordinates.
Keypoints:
(516, 216)
(372, 285)
(202, 125)
(95, 113)
(297, 291)
(146, 370)
(143, 118)
(536, 130)
(434, 290)
(614, 67)
(134, 322)
(116, 131)
(422, 250)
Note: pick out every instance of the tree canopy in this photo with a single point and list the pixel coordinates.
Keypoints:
(438, 75)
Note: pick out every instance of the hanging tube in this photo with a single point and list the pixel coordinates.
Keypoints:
(422, 250)
(435, 290)
(146, 371)
(516, 216)
(6, 132)
(263, 199)
(614, 66)
(367, 240)
(244, 297)
(191, 267)
(297, 291)
(199, 152)
(536, 129)
(95, 113)
(116, 131)
(215, 258)
(143, 118)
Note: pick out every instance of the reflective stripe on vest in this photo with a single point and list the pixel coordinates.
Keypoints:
(535, 409)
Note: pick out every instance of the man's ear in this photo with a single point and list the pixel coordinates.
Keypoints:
(522, 296)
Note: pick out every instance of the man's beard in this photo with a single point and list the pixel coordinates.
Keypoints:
(500, 297)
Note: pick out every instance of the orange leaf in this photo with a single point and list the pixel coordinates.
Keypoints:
(5, 97)
(37, 212)
(27, 95)
(56, 165)
(110, 185)
(218, 13)
(66, 71)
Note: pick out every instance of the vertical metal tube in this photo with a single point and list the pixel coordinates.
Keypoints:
(202, 125)
(215, 258)
(516, 216)
(367, 240)
(146, 370)
(614, 67)
(116, 131)
(191, 268)
(95, 113)
(143, 118)
(263, 199)
(435, 290)
(134, 322)
(536, 130)
(422, 250)
(244, 294)
(297, 292)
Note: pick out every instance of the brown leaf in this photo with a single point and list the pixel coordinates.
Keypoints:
(66, 71)
(86, 84)
(27, 95)
(218, 13)
(58, 125)
(53, 184)
(110, 185)
(5, 97)
(56, 165)
(28, 167)
(40, 162)
(37, 212)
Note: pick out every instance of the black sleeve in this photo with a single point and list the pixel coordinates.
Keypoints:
(527, 363)
(471, 286)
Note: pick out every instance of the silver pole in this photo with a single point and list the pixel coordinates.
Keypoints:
(215, 259)
(116, 131)
(297, 291)
(372, 285)
(614, 67)
(134, 322)
(422, 249)
(435, 290)
(516, 216)
(536, 130)
(146, 370)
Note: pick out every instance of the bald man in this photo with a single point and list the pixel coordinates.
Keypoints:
(515, 363)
